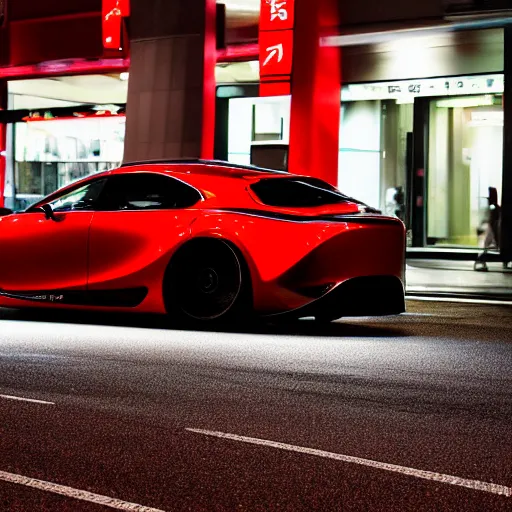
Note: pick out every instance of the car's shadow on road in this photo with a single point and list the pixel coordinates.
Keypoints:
(305, 327)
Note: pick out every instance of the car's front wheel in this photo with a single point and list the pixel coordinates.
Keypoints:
(207, 282)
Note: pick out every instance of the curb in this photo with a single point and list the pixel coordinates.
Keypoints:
(487, 297)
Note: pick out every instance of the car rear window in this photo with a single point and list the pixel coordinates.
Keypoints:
(297, 192)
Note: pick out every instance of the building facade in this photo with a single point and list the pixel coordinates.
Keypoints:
(423, 125)
(442, 92)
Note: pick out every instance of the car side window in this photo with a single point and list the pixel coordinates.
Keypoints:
(297, 192)
(146, 191)
(83, 198)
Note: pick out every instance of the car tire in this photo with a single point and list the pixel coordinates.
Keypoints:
(207, 282)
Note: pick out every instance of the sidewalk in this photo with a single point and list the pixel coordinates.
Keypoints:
(457, 279)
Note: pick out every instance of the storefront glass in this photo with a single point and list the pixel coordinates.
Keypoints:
(256, 120)
(465, 159)
(372, 147)
(376, 137)
(53, 153)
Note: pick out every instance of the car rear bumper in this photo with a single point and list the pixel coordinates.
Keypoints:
(351, 250)
(356, 297)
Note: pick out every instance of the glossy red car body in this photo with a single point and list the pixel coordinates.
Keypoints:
(327, 261)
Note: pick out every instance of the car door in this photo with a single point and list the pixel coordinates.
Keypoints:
(40, 254)
(141, 216)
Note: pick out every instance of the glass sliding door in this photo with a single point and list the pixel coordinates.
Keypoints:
(465, 151)
(397, 123)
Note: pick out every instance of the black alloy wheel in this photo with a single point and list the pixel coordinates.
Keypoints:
(206, 282)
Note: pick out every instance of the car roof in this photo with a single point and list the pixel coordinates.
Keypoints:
(199, 173)
(199, 166)
(206, 164)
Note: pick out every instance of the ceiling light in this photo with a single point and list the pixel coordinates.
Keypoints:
(243, 8)
(467, 102)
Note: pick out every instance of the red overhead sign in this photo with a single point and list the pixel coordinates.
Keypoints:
(113, 11)
(277, 19)
(277, 14)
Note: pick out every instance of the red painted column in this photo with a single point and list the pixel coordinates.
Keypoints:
(3, 141)
(316, 92)
(209, 83)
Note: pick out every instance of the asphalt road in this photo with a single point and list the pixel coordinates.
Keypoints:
(429, 393)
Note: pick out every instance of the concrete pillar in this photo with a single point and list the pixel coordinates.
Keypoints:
(316, 92)
(171, 91)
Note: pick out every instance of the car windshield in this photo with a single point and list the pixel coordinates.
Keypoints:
(297, 192)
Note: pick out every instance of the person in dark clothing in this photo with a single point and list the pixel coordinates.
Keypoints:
(490, 229)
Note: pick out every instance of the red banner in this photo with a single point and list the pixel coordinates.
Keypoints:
(276, 46)
(113, 11)
(277, 15)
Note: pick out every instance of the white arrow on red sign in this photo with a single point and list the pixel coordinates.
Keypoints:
(273, 51)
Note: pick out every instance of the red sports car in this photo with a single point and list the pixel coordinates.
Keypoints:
(203, 241)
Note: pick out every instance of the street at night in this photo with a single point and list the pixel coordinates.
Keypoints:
(386, 414)
(255, 255)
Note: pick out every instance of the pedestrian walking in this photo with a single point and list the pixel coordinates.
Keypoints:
(489, 230)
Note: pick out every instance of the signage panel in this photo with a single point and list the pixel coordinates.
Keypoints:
(276, 46)
(404, 91)
(113, 12)
(277, 15)
(276, 54)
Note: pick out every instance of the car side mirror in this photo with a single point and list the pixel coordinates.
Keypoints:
(5, 211)
(48, 211)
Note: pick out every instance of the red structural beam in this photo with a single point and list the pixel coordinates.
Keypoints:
(57, 17)
(3, 142)
(208, 95)
(239, 53)
(316, 92)
(68, 67)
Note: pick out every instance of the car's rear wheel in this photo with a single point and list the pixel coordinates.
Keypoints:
(207, 282)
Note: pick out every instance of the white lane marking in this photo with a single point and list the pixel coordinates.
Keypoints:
(418, 314)
(490, 302)
(418, 473)
(392, 317)
(76, 494)
(22, 399)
